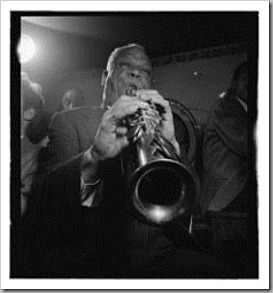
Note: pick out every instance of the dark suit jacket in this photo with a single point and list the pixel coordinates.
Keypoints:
(224, 155)
(70, 134)
(109, 233)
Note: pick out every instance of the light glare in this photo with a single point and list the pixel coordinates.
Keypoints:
(26, 48)
(158, 214)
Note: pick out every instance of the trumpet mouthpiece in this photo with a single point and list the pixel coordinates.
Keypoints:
(131, 91)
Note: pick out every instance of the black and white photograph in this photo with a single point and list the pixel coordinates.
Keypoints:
(135, 150)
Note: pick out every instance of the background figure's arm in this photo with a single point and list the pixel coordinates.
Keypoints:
(231, 125)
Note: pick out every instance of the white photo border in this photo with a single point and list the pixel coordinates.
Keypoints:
(262, 142)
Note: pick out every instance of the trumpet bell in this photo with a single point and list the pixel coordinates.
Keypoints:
(162, 191)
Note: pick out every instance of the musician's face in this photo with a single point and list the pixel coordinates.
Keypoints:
(132, 68)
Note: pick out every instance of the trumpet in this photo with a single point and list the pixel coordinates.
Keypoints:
(161, 187)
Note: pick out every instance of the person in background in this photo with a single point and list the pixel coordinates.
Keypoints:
(34, 129)
(224, 150)
(224, 176)
(72, 98)
(87, 229)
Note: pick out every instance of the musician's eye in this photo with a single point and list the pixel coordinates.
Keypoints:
(147, 72)
(128, 68)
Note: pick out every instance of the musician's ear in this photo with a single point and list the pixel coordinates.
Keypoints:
(104, 77)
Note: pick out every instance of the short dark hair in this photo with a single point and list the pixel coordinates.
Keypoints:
(116, 53)
(78, 97)
(31, 94)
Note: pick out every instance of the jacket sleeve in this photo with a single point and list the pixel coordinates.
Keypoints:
(62, 170)
(230, 122)
(63, 141)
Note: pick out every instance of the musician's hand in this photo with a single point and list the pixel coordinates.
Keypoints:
(111, 136)
(167, 125)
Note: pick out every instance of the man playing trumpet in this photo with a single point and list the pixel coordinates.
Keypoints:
(88, 232)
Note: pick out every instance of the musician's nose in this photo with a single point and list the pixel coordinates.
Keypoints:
(135, 74)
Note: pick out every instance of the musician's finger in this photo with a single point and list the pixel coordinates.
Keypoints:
(122, 142)
(154, 97)
(121, 131)
(129, 108)
(146, 92)
(158, 100)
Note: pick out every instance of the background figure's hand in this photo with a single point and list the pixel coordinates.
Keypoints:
(167, 124)
(111, 137)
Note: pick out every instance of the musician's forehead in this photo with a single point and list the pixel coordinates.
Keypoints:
(135, 56)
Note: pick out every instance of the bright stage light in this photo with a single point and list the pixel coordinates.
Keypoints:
(26, 48)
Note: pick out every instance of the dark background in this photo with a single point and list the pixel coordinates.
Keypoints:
(69, 42)
(84, 40)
